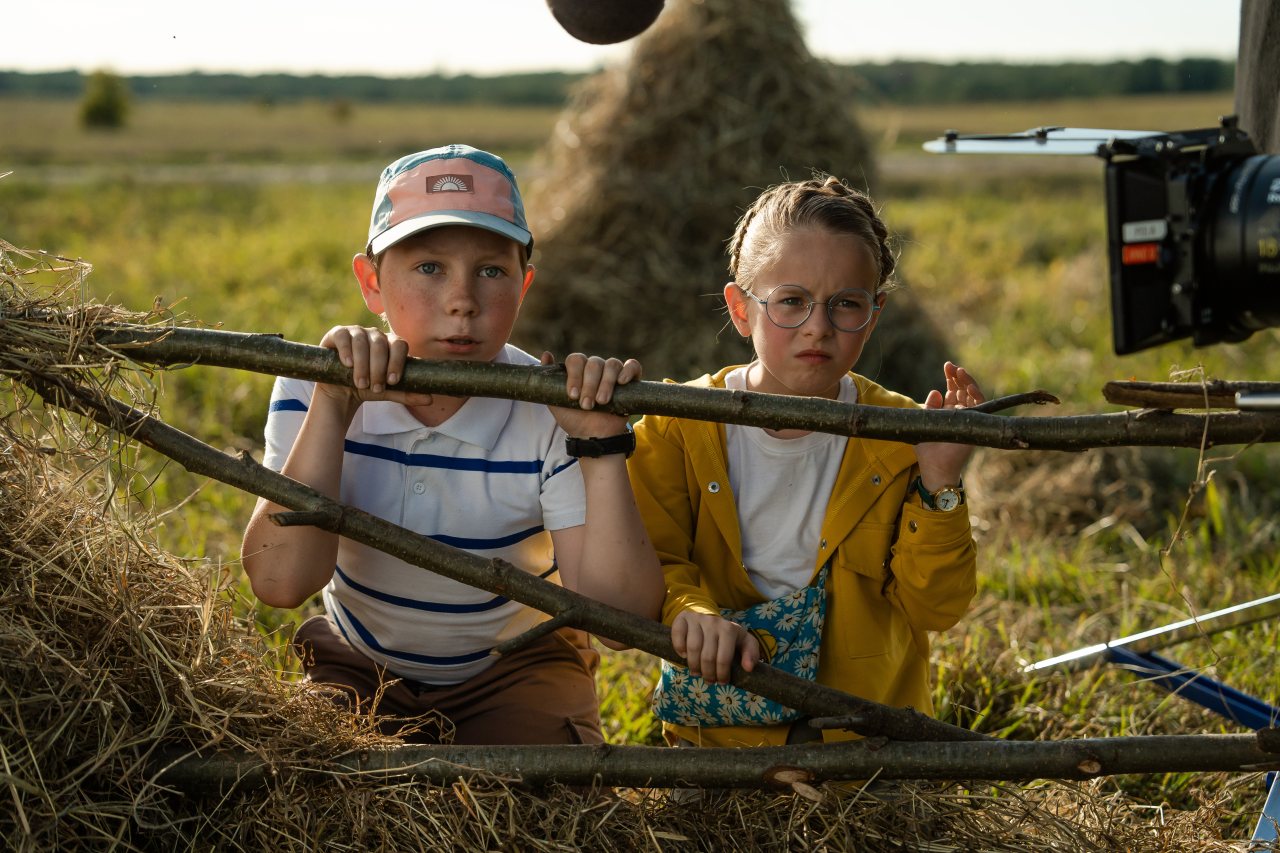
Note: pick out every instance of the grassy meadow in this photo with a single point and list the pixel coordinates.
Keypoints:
(246, 217)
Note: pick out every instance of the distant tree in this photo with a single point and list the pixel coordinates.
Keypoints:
(340, 110)
(106, 101)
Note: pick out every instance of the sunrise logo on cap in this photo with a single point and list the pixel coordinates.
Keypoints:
(450, 184)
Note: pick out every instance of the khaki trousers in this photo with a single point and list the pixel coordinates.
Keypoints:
(542, 693)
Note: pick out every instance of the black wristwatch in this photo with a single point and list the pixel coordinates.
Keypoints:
(594, 447)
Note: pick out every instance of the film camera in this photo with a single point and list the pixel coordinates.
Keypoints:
(1193, 227)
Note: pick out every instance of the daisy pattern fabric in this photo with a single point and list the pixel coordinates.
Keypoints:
(793, 625)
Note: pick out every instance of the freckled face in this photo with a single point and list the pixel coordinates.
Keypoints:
(810, 359)
(452, 292)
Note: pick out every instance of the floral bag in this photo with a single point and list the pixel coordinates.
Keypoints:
(790, 627)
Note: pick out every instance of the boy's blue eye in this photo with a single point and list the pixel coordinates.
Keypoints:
(491, 272)
(428, 268)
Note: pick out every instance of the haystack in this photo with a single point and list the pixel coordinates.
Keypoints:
(636, 195)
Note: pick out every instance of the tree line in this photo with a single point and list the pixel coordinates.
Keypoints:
(902, 82)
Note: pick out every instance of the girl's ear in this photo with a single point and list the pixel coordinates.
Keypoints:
(367, 276)
(737, 304)
(875, 315)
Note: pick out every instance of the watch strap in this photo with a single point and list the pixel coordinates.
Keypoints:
(595, 447)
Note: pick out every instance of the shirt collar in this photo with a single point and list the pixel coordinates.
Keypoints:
(479, 422)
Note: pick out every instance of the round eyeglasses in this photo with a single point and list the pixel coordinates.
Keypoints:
(789, 306)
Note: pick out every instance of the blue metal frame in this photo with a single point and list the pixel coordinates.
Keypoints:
(1248, 711)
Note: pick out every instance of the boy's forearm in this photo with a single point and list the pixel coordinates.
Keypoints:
(287, 565)
(617, 564)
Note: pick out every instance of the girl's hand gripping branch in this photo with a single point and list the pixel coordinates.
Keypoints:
(942, 463)
(709, 644)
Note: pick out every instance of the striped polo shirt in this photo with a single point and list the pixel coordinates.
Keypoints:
(493, 479)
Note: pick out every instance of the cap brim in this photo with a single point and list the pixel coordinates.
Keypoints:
(475, 219)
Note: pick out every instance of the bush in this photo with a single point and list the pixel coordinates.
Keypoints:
(106, 101)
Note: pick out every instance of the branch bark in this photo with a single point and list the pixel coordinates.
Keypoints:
(1215, 394)
(496, 576)
(759, 767)
(273, 355)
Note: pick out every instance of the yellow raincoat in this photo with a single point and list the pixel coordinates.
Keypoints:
(899, 570)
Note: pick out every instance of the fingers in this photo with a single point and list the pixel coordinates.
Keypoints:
(376, 359)
(751, 654)
(962, 390)
(591, 379)
(710, 644)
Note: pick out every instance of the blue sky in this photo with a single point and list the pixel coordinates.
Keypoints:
(394, 37)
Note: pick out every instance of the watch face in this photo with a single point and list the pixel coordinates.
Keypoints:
(947, 499)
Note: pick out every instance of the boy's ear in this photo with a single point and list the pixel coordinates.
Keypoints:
(367, 276)
(737, 304)
(528, 280)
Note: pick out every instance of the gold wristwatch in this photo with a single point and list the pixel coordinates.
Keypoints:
(946, 499)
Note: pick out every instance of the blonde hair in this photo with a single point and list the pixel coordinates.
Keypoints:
(822, 202)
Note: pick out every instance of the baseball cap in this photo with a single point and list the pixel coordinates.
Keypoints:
(451, 185)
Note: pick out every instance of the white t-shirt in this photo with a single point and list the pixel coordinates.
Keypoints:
(493, 479)
(781, 487)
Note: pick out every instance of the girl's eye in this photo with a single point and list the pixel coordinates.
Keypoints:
(491, 272)
(428, 268)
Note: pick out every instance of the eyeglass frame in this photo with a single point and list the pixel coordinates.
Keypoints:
(876, 305)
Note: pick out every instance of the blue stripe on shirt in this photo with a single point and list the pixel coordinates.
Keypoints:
(431, 660)
(487, 544)
(430, 606)
(431, 460)
(289, 405)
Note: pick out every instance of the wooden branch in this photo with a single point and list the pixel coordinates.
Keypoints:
(273, 355)
(1215, 394)
(495, 576)
(758, 767)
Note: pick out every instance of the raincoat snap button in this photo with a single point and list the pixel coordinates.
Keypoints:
(713, 487)
(875, 480)
(912, 525)
(822, 544)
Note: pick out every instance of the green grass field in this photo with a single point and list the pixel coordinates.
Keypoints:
(247, 217)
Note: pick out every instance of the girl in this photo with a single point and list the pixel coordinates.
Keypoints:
(741, 515)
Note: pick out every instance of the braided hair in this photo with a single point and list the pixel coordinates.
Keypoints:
(823, 202)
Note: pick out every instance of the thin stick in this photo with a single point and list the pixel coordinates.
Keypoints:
(757, 767)
(272, 355)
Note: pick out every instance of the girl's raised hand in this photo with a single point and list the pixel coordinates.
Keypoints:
(941, 463)
(709, 644)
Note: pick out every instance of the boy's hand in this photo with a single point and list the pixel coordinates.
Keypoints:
(709, 643)
(376, 360)
(941, 463)
(591, 380)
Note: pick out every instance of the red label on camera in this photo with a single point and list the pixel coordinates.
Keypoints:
(1140, 253)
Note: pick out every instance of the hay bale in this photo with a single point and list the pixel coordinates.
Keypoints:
(637, 193)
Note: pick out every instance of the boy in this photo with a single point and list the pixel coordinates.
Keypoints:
(446, 266)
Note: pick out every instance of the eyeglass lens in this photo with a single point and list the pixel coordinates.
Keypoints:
(789, 305)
